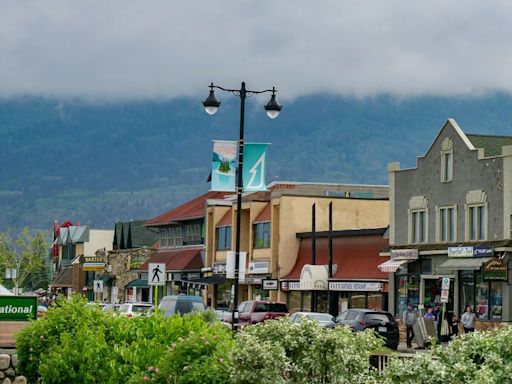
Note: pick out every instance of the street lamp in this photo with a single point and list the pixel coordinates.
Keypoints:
(211, 105)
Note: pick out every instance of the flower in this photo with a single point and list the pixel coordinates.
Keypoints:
(185, 368)
(150, 369)
(145, 378)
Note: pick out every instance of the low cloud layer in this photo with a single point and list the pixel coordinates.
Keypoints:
(121, 49)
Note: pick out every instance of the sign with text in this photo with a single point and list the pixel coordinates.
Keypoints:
(495, 270)
(94, 263)
(404, 254)
(269, 284)
(479, 251)
(156, 274)
(290, 285)
(259, 267)
(355, 286)
(18, 308)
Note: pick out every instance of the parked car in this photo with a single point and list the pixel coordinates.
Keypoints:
(381, 322)
(134, 309)
(181, 304)
(111, 308)
(324, 319)
(95, 304)
(257, 311)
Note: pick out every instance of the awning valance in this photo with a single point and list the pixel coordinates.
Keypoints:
(464, 263)
(392, 266)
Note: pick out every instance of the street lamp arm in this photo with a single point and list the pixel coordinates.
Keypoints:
(237, 91)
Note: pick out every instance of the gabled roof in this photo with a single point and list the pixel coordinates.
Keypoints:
(193, 209)
(490, 143)
(73, 235)
(64, 279)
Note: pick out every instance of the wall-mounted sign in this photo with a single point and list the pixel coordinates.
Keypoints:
(290, 285)
(269, 284)
(481, 251)
(355, 286)
(404, 254)
(460, 252)
(94, 263)
(219, 268)
(259, 267)
(18, 308)
(495, 270)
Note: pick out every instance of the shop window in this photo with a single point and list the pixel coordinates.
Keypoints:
(496, 300)
(261, 232)
(486, 298)
(446, 224)
(223, 238)
(375, 301)
(481, 298)
(447, 161)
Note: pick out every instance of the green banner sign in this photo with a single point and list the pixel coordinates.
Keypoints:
(18, 308)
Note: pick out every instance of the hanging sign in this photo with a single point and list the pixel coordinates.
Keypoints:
(269, 284)
(254, 167)
(224, 166)
(495, 270)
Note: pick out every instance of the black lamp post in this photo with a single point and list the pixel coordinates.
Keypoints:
(211, 105)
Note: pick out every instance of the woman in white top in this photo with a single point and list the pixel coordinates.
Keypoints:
(468, 319)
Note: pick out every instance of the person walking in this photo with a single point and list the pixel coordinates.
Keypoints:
(437, 312)
(409, 317)
(468, 319)
(428, 314)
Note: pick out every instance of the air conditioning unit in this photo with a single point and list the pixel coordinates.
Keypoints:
(108, 268)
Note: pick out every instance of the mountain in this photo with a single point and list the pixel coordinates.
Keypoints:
(101, 162)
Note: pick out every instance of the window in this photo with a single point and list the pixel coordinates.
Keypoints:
(477, 223)
(170, 237)
(261, 232)
(419, 227)
(447, 161)
(447, 224)
(223, 235)
(192, 234)
(485, 297)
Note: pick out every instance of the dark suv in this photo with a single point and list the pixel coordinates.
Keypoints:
(381, 322)
(257, 311)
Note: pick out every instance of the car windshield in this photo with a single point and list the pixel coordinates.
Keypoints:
(320, 317)
(271, 307)
(140, 308)
(382, 317)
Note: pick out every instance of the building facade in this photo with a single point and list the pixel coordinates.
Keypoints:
(451, 218)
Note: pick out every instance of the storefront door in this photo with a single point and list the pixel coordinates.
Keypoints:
(431, 292)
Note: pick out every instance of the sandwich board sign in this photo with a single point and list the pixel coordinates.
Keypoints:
(98, 286)
(156, 274)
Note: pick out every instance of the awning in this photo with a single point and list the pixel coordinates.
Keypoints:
(392, 266)
(314, 278)
(106, 278)
(138, 283)
(64, 279)
(203, 282)
(465, 263)
(180, 259)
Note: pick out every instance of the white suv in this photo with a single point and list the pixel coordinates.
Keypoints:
(133, 309)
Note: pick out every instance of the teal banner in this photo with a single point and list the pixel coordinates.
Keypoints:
(254, 167)
(18, 308)
(224, 166)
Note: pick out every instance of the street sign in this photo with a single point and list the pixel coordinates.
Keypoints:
(98, 286)
(156, 274)
(18, 308)
(445, 294)
(445, 283)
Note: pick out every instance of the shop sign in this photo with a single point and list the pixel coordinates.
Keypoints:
(290, 285)
(18, 308)
(482, 251)
(495, 270)
(219, 268)
(460, 252)
(355, 286)
(404, 254)
(259, 267)
(94, 263)
(269, 284)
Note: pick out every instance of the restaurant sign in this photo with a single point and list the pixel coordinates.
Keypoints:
(495, 270)
(355, 286)
(94, 263)
(18, 308)
(479, 251)
(404, 254)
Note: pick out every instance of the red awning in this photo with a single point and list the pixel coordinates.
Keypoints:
(356, 257)
(181, 259)
(226, 219)
(264, 214)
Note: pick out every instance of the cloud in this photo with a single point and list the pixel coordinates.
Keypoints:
(124, 49)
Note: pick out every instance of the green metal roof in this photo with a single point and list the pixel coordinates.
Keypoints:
(491, 144)
(139, 283)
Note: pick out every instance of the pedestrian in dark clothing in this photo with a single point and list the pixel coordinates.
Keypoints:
(437, 317)
(454, 326)
(410, 316)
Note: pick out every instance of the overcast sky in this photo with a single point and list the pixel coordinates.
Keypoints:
(123, 49)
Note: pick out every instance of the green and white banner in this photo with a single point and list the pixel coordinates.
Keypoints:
(224, 166)
(18, 307)
(254, 167)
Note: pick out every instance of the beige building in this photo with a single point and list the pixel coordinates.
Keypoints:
(270, 224)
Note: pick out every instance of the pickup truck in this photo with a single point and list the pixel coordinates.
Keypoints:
(257, 311)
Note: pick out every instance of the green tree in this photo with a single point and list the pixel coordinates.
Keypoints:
(25, 257)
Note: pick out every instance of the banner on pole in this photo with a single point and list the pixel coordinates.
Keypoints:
(254, 167)
(224, 166)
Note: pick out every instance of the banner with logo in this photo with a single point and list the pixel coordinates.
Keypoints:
(224, 166)
(254, 167)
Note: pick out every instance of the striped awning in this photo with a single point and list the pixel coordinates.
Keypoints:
(465, 263)
(392, 266)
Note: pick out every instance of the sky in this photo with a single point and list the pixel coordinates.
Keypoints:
(161, 49)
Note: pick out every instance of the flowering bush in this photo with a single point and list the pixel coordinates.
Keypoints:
(280, 351)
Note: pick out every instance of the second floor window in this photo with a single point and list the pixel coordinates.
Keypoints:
(419, 227)
(261, 232)
(223, 236)
(170, 237)
(477, 221)
(447, 224)
(192, 234)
